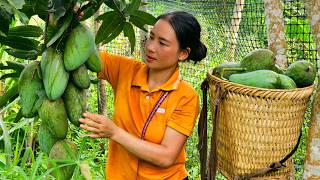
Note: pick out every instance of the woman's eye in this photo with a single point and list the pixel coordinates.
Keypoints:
(161, 43)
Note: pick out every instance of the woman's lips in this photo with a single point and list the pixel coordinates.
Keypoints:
(150, 59)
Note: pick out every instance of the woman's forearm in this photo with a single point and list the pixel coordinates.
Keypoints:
(156, 154)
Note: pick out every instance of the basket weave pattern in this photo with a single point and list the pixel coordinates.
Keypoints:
(257, 126)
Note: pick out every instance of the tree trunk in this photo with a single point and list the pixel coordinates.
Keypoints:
(101, 87)
(235, 25)
(275, 30)
(312, 164)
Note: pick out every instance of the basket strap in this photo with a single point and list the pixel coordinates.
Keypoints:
(202, 132)
(219, 95)
(273, 167)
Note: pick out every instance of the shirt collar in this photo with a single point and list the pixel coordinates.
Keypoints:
(140, 79)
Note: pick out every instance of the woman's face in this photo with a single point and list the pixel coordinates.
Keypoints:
(162, 47)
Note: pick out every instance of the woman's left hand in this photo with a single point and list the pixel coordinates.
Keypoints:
(99, 125)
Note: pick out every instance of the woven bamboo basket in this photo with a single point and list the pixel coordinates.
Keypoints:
(257, 127)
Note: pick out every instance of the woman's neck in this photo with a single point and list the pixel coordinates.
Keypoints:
(157, 78)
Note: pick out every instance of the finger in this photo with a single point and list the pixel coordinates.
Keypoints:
(89, 122)
(93, 117)
(88, 128)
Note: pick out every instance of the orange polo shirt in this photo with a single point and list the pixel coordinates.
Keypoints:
(133, 101)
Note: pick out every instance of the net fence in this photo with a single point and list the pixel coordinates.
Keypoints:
(230, 30)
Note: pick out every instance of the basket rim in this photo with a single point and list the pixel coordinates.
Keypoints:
(211, 77)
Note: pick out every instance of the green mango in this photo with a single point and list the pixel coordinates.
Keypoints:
(94, 62)
(260, 78)
(224, 70)
(79, 46)
(80, 77)
(259, 59)
(54, 115)
(302, 72)
(63, 150)
(55, 77)
(286, 82)
(75, 103)
(31, 90)
(45, 138)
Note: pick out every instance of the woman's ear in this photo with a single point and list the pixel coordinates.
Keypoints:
(184, 54)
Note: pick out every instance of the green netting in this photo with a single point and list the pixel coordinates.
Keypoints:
(221, 35)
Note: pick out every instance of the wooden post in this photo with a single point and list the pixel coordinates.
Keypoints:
(275, 30)
(101, 87)
(312, 163)
(235, 26)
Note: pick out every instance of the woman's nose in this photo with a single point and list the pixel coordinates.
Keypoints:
(150, 45)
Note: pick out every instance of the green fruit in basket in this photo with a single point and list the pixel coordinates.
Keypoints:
(286, 82)
(258, 59)
(302, 72)
(224, 70)
(260, 78)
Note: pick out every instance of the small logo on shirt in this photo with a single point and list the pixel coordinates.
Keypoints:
(161, 110)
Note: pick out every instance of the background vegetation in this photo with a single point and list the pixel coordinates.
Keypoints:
(30, 163)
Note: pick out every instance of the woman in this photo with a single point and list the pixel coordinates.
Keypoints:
(154, 147)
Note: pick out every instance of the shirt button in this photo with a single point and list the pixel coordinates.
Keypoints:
(147, 97)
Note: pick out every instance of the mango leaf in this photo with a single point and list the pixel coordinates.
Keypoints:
(117, 5)
(6, 16)
(18, 116)
(23, 54)
(17, 3)
(25, 31)
(36, 7)
(64, 26)
(18, 42)
(58, 8)
(134, 5)
(108, 26)
(129, 32)
(10, 75)
(107, 16)
(13, 65)
(144, 17)
(92, 9)
(138, 22)
(12, 93)
(116, 31)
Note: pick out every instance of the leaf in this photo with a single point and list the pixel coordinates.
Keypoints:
(65, 25)
(107, 26)
(38, 7)
(12, 65)
(12, 93)
(18, 3)
(23, 54)
(113, 4)
(144, 17)
(116, 31)
(138, 23)
(18, 42)
(134, 5)
(25, 31)
(10, 75)
(88, 12)
(18, 116)
(129, 32)
(106, 16)
(6, 16)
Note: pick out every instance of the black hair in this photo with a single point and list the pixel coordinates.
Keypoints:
(187, 30)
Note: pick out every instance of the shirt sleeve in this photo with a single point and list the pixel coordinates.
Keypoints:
(185, 114)
(111, 66)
